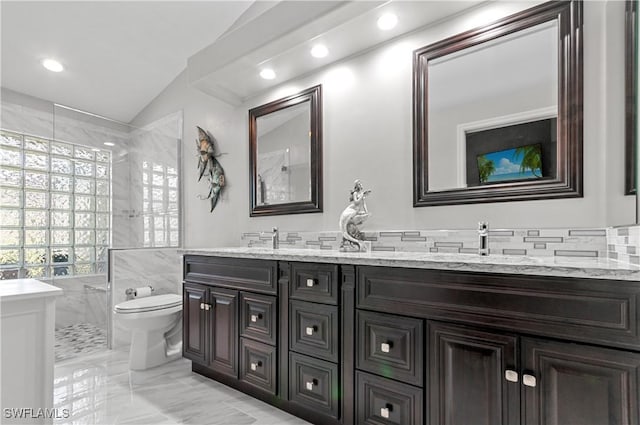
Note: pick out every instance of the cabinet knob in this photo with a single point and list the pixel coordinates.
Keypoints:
(201, 306)
(255, 366)
(207, 307)
(256, 317)
(511, 375)
(529, 380)
(311, 329)
(310, 283)
(386, 410)
(385, 347)
(310, 384)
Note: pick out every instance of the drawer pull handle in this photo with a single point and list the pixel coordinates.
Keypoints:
(386, 410)
(201, 306)
(511, 375)
(529, 380)
(310, 283)
(256, 317)
(385, 347)
(255, 366)
(310, 384)
(311, 329)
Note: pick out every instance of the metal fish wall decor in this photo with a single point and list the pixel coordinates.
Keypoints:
(209, 165)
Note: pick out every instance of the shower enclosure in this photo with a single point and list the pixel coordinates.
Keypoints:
(78, 194)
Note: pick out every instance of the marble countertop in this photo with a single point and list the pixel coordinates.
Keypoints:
(595, 268)
(19, 289)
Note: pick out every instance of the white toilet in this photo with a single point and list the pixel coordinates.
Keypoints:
(155, 323)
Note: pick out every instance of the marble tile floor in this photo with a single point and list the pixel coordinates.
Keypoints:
(98, 388)
(79, 338)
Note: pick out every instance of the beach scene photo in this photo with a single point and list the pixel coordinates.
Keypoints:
(524, 162)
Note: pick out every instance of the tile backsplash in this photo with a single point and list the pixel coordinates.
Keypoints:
(532, 242)
(623, 244)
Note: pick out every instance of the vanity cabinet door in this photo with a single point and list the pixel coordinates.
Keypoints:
(472, 376)
(194, 324)
(577, 384)
(223, 355)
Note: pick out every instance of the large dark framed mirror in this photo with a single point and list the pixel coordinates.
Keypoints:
(497, 110)
(631, 96)
(285, 155)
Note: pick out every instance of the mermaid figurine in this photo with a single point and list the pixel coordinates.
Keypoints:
(353, 216)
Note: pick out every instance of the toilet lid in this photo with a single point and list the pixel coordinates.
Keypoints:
(154, 302)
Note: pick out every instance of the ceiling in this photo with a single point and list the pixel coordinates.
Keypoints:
(119, 56)
(346, 28)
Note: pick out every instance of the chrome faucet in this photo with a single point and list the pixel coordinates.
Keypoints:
(275, 238)
(483, 238)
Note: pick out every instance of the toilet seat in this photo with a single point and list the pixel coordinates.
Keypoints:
(152, 303)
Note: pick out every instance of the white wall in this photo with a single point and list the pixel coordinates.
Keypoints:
(367, 104)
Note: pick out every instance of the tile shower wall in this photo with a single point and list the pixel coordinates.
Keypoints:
(623, 244)
(84, 299)
(154, 183)
(531, 242)
(131, 268)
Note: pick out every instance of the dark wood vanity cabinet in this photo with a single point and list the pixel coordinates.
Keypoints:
(211, 327)
(230, 320)
(318, 302)
(279, 331)
(579, 384)
(506, 349)
(194, 322)
(483, 377)
(466, 376)
(344, 344)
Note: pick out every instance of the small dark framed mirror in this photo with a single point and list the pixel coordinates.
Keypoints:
(285, 155)
(631, 95)
(498, 110)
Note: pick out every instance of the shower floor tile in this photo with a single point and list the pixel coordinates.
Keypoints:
(80, 338)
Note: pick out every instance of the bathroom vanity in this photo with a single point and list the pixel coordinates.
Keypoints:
(27, 325)
(417, 338)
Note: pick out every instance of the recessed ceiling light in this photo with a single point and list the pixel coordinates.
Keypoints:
(268, 74)
(109, 144)
(52, 65)
(387, 21)
(319, 51)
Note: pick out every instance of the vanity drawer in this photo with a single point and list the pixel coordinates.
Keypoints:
(313, 329)
(258, 364)
(314, 384)
(314, 282)
(258, 317)
(392, 344)
(236, 273)
(382, 401)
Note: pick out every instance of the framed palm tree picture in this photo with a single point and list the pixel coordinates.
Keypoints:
(521, 163)
(510, 152)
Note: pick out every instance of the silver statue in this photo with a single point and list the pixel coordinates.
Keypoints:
(352, 217)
